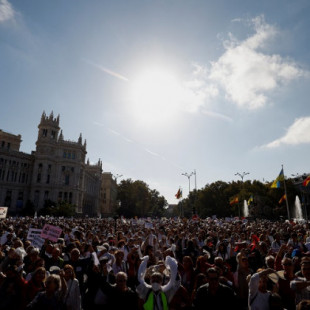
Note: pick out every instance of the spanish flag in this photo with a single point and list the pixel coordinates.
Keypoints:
(306, 181)
(282, 199)
(178, 195)
(276, 183)
(235, 200)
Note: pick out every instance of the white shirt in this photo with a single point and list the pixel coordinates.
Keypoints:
(257, 299)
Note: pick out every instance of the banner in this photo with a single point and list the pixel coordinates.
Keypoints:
(51, 232)
(33, 232)
(37, 241)
(3, 212)
(148, 225)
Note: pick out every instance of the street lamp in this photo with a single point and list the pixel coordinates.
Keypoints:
(189, 180)
(117, 176)
(241, 175)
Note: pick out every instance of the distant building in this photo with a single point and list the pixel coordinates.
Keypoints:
(55, 171)
(108, 194)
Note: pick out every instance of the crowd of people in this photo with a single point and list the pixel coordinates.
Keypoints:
(155, 264)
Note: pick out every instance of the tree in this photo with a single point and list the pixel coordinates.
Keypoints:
(62, 208)
(137, 199)
(214, 199)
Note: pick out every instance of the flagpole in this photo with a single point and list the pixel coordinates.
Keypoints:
(286, 200)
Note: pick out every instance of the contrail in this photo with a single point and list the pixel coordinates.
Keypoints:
(106, 70)
(116, 133)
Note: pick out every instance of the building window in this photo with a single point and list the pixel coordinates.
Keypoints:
(48, 179)
(46, 195)
(73, 155)
(67, 179)
(69, 155)
(63, 168)
(9, 145)
(53, 134)
(59, 196)
(20, 195)
(44, 132)
(72, 169)
(36, 198)
(70, 197)
(49, 168)
(65, 196)
(8, 198)
(2, 143)
(64, 154)
(39, 178)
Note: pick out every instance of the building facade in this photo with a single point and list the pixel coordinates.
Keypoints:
(108, 194)
(56, 171)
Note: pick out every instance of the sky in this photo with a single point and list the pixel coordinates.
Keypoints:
(163, 88)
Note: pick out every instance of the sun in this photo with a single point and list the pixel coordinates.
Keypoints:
(155, 97)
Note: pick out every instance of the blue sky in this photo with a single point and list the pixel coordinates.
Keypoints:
(161, 88)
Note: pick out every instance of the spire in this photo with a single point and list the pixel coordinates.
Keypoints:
(80, 139)
(61, 137)
(57, 119)
(51, 115)
(43, 116)
(88, 161)
(85, 143)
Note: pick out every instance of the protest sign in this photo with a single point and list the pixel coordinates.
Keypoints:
(148, 225)
(3, 212)
(51, 232)
(37, 241)
(33, 232)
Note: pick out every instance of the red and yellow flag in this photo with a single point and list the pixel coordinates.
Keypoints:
(235, 200)
(282, 199)
(306, 181)
(178, 195)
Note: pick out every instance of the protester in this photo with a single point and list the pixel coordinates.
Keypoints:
(92, 246)
(214, 295)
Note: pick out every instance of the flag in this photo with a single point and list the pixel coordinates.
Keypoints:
(276, 182)
(306, 181)
(235, 200)
(282, 199)
(178, 195)
(251, 199)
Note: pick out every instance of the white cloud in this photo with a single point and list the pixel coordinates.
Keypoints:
(298, 133)
(6, 11)
(198, 90)
(244, 72)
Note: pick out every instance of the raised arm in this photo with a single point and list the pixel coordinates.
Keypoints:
(173, 265)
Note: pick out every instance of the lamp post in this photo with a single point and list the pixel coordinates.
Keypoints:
(117, 176)
(189, 180)
(241, 175)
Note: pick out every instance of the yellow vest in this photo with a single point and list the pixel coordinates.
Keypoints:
(149, 304)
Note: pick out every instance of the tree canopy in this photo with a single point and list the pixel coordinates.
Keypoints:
(215, 198)
(137, 199)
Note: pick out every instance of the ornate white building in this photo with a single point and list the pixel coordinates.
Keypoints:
(55, 171)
